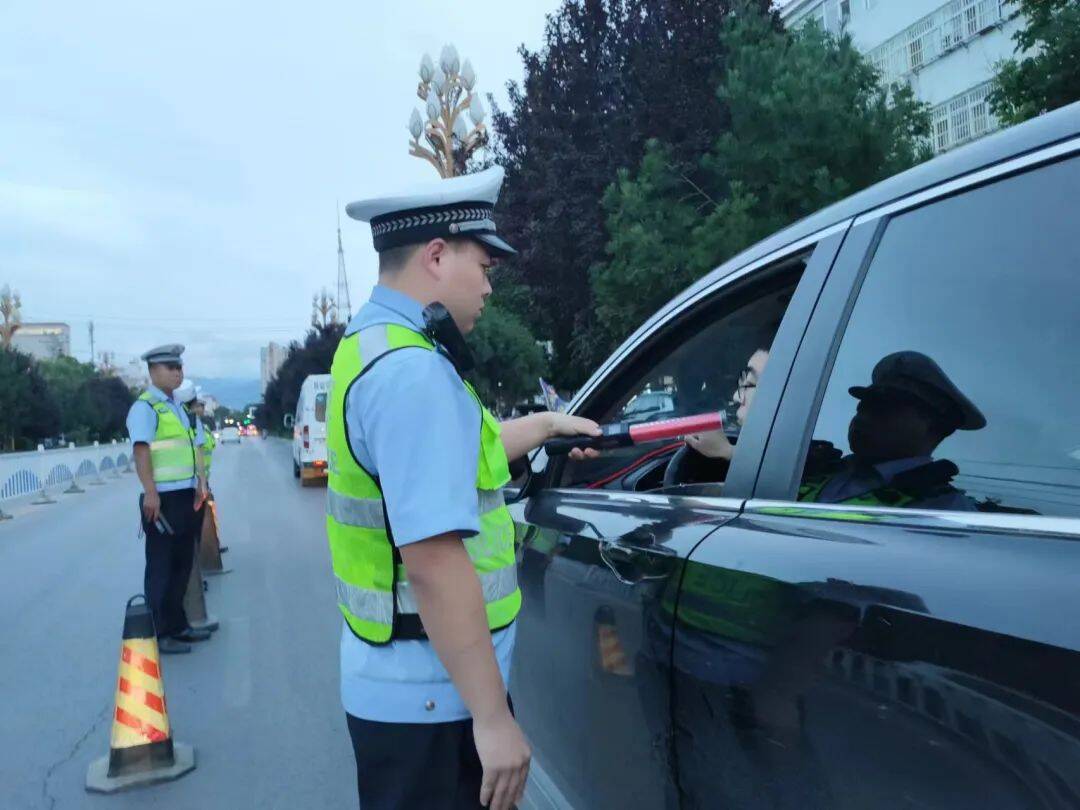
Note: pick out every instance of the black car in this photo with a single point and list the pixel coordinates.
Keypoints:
(866, 592)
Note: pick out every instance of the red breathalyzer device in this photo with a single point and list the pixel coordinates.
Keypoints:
(621, 434)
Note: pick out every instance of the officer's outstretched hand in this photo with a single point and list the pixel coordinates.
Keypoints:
(563, 424)
(504, 756)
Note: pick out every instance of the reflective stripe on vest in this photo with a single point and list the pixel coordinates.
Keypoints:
(172, 452)
(371, 583)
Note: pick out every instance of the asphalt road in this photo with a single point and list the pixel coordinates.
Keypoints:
(259, 701)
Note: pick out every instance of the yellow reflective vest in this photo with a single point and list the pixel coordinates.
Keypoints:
(172, 452)
(373, 589)
(208, 449)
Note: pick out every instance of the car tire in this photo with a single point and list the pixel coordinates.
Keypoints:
(295, 470)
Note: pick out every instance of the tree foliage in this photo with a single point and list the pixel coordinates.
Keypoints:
(610, 75)
(92, 407)
(508, 359)
(28, 412)
(1047, 73)
(809, 124)
(313, 356)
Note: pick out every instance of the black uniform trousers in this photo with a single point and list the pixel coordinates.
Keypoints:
(169, 558)
(416, 766)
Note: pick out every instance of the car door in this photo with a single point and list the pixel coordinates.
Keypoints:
(837, 652)
(603, 544)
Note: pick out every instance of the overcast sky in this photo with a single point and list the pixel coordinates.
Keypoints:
(173, 172)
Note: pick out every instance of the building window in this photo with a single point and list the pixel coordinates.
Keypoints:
(963, 118)
(934, 35)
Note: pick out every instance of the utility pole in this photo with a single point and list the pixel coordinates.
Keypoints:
(92, 343)
(344, 306)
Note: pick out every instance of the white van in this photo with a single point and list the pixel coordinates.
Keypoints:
(309, 429)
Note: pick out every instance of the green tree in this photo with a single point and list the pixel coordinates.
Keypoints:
(809, 124)
(610, 75)
(92, 407)
(508, 359)
(1047, 73)
(110, 400)
(68, 381)
(313, 356)
(28, 413)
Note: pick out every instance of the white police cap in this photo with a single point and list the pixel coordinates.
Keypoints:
(459, 206)
(186, 392)
(169, 353)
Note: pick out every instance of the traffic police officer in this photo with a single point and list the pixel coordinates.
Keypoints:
(169, 465)
(421, 542)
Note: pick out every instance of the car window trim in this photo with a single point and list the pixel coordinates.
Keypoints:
(674, 310)
(876, 221)
(990, 174)
(928, 519)
(718, 502)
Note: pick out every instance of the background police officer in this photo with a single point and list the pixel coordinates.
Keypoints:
(421, 542)
(169, 465)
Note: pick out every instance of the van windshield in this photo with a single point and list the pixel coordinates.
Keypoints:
(320, 407)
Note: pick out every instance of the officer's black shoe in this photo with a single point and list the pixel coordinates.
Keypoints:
(223, 549)
(170, 646)
(191, 634)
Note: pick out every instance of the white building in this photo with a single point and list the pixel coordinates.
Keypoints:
(43, 341)
(271, 359)
(945, 51)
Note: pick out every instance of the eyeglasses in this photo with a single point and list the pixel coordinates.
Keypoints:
(748, 379)
(173, 366)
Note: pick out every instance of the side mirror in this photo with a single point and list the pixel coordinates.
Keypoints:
(289, 420)
(530, 476)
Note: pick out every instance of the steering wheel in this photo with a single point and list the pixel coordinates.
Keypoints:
(673, 473)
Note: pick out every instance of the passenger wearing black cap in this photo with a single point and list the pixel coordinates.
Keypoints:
(909, 408)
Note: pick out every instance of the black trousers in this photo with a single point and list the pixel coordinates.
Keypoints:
(416, 766)
(169, 558)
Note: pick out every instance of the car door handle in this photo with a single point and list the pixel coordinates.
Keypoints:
(639, 540)
(637, 557)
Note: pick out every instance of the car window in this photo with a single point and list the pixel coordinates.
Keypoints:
(697, 364)
(955, 385)
(320, 407)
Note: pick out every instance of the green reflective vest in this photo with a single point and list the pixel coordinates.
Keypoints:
(882, 496)
(172, 452)
(208, 449)
(372, 584)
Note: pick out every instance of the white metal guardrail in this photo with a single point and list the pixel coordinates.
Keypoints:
(45, 473)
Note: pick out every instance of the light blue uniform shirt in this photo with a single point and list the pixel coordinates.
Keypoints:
(142, 427)
(412, 423)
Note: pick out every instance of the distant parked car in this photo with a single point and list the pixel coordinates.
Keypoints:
(230, 433)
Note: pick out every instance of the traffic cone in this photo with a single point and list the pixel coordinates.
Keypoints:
(612, 657)
(209, 546)
(141, 749)
(195, 601)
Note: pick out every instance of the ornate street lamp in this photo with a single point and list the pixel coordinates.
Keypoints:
(447, 92)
